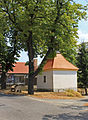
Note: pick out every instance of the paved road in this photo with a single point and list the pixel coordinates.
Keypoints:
(27, 108)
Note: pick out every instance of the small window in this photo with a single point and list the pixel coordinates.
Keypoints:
(44, 79)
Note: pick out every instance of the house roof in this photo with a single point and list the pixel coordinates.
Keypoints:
(59, 63)
(21, 68)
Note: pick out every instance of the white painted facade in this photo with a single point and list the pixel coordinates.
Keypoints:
(64, 80)
(57, 80)
(48, 85)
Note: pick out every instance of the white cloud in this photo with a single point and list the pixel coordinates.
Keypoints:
(83, 37)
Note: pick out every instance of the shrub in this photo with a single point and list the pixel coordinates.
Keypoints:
(73, 93)
(69, 94)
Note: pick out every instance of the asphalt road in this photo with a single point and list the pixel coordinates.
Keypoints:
(27, 108)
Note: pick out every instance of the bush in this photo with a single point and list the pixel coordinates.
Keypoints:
(72, 93)
(69, 94)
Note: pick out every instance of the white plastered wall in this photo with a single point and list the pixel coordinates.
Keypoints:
(64, 80)
(49, 80)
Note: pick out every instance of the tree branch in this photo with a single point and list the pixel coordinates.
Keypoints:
(13, 12)
(39, 69)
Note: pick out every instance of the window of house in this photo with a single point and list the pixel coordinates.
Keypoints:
(44, 79)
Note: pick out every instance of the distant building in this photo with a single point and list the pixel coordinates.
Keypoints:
(58, 74)
(19, 75)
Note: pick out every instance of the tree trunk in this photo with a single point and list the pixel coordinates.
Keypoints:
(31, 85)
(31, 64)
(3, 80)
(85, 91)
(30, 76)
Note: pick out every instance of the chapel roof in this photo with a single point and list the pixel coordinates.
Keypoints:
(59, 63)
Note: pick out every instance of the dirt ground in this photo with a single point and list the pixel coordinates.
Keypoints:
(43, 95)
(53, 95)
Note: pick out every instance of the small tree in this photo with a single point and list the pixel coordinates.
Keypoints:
(82, 63)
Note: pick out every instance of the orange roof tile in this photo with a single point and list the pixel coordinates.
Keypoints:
(59, 63)
(19, 68)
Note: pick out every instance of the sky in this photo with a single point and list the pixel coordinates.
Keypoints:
(82, 33)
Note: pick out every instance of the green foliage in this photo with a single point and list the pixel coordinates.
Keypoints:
(82, 63)
(9, 45)
(46, 20)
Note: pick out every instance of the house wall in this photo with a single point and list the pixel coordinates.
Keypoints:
(49, 79)
(64, 80)
(17, 78)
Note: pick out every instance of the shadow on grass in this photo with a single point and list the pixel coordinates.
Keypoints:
(67, 116)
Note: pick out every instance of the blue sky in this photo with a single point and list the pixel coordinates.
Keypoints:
(82, 33)
(83, 25)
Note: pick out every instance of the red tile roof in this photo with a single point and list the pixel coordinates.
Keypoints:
(21, 68)
(59, 63)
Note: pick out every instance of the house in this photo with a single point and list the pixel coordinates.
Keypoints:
(19, 75)
(58, 74)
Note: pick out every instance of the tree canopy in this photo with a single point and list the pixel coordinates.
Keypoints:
(46, 19)
(9, 48)
(82, 63)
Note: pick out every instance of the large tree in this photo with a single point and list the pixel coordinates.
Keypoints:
(82, 63)
(44, 27)
(8, 56)
(9, 48)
